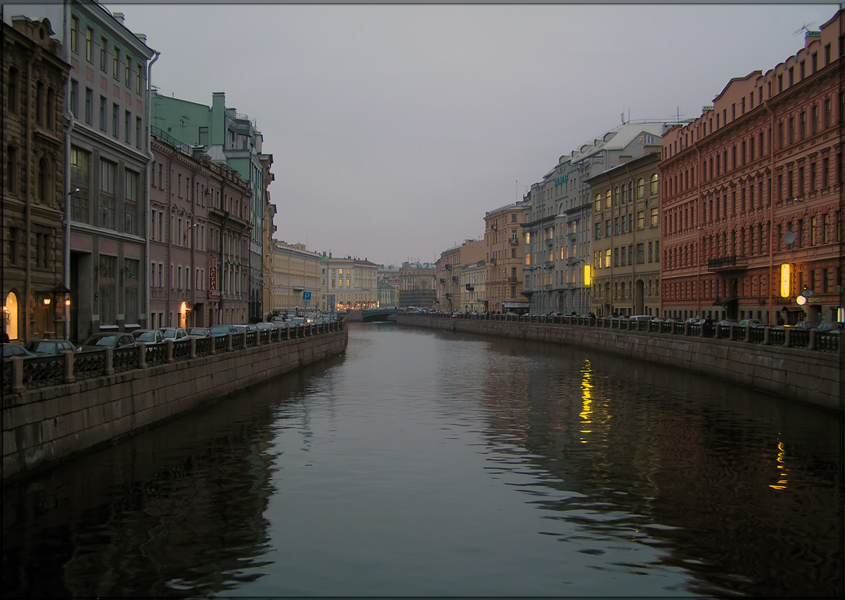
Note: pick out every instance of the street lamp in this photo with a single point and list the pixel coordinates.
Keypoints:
(66, 266)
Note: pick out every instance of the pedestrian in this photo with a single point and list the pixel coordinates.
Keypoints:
(4, 337)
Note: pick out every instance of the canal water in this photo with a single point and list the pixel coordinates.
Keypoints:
(428, 463)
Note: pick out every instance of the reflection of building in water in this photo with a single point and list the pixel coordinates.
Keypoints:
(704, 476)
(180, 508)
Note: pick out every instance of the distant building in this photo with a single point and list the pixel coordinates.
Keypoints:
(34, 200)
(198, 262)
(233, 139)
(625, 264)
(296, 273)
(351, 283)
(558, 217)
(416, 285)
(752, 194)
(503, 236)
(448, 280)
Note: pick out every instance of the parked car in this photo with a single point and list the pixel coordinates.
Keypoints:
(264, 326)
(11, 349)
(830, 327)
(148, 336)
(103, 340)
(50, 347)
(223, 330)
(199, 332)
(173, 333)
(750, 323)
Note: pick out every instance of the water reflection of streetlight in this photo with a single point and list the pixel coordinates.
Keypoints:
(586, 398)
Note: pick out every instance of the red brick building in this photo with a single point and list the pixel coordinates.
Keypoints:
(755, 183)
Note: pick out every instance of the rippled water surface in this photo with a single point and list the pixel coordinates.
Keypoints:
(429, 463)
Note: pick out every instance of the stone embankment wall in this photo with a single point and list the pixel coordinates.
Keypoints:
(44, 426)
(798, 374)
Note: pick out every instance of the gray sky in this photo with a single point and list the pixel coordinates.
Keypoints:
(394, 128)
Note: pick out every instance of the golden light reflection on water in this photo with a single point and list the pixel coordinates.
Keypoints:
(782, 482)
(586, 413)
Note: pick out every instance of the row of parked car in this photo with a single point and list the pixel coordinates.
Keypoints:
(109, 339)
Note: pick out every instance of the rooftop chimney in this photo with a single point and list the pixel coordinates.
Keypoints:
(118, 16)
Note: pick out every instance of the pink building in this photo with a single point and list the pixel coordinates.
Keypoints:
(752, 194)
(199, 239)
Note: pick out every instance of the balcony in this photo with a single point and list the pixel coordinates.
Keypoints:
(727, 263)
(513, 241)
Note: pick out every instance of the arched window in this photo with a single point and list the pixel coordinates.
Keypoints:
(607, 199)
(640, 187)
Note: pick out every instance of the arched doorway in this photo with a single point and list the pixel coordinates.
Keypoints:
(11, 315)
(639, 297)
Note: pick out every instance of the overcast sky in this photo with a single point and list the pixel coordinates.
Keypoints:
(394, 128)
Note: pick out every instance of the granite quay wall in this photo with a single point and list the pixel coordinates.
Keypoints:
(136, 388)
(805, 366)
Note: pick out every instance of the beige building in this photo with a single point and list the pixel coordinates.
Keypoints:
(448, 280)
(351, 283)
(503, 237)
(625, 266)
(416, 285)
(473, 277)
(295, 273)
(35, 285)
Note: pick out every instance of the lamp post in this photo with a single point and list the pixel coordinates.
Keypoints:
(66, 266)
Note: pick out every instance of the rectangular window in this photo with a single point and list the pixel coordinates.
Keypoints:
(107, 190)
(138, 78)
(89, 45)
(74, 34)
(812, 176)
(127, 72)
(825, 172)
(138, 135)
(130, 210)
(115, 120)
(654, 217)
(103, 113)
(802, 125)
(127, 133)
(115, 66)
(640, 253)
(74, 98)
(89, 105)
(104, 48)
(107, 275)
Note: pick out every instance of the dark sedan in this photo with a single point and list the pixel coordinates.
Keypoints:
(50, 347)
(101, 341)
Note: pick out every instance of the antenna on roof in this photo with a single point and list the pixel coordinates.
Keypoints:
(804, 27)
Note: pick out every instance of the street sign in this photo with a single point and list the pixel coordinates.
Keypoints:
(306, 295)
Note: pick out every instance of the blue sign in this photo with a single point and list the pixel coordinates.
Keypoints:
(561, 180)
(306, 295)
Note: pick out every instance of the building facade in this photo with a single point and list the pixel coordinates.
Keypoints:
(33, 100)
(624, 273)
(296, 274)
(448, 280)
(416, 285)
(233, 139)
(558, 220)
(198, 264)
(503, 280)
(351, 283)
(752, 194)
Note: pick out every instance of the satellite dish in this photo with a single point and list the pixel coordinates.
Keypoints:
(788, 237)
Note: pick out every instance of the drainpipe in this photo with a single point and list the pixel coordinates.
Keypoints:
(771, 211)
(699, 251)
(70, 124)
(150, 158)
(30, 306)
